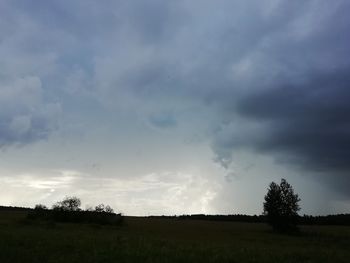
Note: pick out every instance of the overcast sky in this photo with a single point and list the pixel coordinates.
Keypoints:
(175, 107)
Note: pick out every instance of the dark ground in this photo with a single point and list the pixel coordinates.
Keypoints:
(166, 240)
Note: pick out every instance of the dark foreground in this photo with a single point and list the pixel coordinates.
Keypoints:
(166, 240)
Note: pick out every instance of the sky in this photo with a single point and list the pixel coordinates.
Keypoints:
(175, 107)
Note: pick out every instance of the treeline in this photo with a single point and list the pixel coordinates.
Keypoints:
(339, 219)
(81, 216)
(14, 208)
(105, 215)
(234, 218)
(68, 210)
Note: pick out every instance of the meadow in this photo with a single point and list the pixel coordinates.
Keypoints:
(166, 240)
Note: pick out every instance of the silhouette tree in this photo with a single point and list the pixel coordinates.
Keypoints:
(69, 203)
(281, 206)
(103, 208)
(109, 209)
(40, 207)
(100, 208)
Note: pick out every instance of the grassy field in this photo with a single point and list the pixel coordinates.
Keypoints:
(166, 240)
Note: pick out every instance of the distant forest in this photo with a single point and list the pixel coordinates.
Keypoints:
(339, 219)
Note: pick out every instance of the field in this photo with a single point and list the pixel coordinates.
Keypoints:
(166, 240)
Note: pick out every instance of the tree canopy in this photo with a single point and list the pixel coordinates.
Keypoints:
(281, 206)
(69, 203)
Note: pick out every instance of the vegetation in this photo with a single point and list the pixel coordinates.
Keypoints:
(102, 208)
(165, 240)
(68, 210)
(66, 233)
(281, 206)
(68, 204)
(335, 220)
(40, 207)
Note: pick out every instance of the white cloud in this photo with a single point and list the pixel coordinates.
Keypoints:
(156, 193)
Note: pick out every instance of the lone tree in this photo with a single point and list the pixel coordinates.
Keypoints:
(281, 206)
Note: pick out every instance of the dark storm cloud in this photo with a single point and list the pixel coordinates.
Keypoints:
(310, 121)
(289, 93)
(276, 73)
(269, 76)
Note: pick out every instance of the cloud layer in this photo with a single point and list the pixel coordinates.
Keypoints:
(266, 77)
(24, 115)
